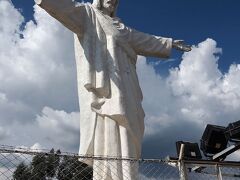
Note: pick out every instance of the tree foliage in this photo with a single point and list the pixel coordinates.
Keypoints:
(46, 166)
(38, 167)
(22, 172)
(72, 168)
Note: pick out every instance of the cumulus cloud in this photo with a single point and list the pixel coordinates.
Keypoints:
(38, 93)
(43, 58)
(36, 70)
(194, 94)
(208, 95)
(59, 127)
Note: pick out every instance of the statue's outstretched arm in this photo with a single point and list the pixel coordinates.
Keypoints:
(68, 12)
(150, 45)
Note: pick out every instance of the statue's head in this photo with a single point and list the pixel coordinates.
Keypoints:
(111, 5)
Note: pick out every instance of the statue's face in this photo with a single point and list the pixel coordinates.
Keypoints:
(109, 5)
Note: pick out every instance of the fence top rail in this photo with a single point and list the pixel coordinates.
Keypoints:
(22, 150)
(211, 162)
(201, 162)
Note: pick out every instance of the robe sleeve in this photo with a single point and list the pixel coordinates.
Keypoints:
(70, 13)
(150, 45)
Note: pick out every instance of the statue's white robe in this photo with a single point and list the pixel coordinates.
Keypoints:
(111, 114)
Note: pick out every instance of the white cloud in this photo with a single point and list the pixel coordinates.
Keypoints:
(35, 71)
(36, 147)
(60, 127)
(9, 27)
(206, 94)
(194, 94)
(38, 93)
(38, 63)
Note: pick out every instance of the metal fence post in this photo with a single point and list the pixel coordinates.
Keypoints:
(219, 173)
(181, 164)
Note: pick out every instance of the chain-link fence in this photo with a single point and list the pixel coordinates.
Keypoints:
(24, 164)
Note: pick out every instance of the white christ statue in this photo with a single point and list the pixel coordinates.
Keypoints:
(111, 114)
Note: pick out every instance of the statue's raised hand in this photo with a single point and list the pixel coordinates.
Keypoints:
(179, 45)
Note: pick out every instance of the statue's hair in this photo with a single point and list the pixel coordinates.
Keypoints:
(98, 4)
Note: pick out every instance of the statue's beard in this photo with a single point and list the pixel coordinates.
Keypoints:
(109, 7)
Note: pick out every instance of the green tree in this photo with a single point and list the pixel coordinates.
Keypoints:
(22, 172)
(38, 167)
(72, 169)
(64, 169)
(52, 163)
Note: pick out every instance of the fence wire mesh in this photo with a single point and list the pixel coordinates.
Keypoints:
(25, 164)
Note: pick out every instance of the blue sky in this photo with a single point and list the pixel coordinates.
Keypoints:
(38, 92)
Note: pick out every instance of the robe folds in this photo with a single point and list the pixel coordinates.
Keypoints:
(106, 53)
